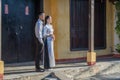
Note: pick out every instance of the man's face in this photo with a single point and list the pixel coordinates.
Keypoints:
(42, 17)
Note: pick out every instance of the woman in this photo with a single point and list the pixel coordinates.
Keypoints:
(49, 59)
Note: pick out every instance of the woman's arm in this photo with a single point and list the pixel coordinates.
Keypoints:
(46, 32)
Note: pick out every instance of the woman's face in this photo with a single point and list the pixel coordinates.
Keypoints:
(49, 20)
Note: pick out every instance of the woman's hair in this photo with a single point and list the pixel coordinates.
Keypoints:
(46, 18)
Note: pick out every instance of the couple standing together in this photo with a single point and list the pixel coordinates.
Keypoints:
(45, 37)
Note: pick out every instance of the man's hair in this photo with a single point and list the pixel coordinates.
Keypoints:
(40, 13)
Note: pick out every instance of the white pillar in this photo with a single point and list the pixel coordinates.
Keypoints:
(91, 55)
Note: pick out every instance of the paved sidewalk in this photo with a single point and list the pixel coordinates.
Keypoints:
(105, 69)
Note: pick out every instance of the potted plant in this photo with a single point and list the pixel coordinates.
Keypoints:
(118, 48)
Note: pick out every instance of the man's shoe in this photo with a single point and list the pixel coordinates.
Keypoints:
(40, 70)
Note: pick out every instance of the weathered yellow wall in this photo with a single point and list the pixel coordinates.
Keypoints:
(112, 23)
(59, 9)
(110, 11)
(50, 7)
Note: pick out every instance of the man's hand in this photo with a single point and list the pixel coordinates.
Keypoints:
(40, 40)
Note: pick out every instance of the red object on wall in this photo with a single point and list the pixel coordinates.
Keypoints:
(6, 9)
(26, 10)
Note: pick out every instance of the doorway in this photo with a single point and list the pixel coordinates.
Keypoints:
(79, 24)
(18, 21)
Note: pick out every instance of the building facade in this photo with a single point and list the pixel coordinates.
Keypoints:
(70, 22)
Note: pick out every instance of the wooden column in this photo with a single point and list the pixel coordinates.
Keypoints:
(91, 55)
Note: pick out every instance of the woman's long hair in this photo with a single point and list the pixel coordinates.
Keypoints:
(46, 18)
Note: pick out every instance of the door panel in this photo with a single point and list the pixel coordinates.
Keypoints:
(79, 24)
(18, 31)
(100, 24)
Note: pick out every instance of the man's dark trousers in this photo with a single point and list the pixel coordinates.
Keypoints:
(39, 53)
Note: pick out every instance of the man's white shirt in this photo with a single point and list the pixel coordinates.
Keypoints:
(39, 29)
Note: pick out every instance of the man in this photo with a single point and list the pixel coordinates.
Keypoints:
(38, 33)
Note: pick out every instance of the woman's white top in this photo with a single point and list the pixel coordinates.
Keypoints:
(47, 31)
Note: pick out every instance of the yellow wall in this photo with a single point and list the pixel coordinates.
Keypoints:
(59, 9)
(50, 7)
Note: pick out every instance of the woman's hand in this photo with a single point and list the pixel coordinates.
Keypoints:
(53, 36)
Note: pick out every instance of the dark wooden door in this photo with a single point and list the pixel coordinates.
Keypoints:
(18, 30)
(100, 24)
(79, 24)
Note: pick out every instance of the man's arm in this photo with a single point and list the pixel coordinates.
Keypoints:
(40, 26)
